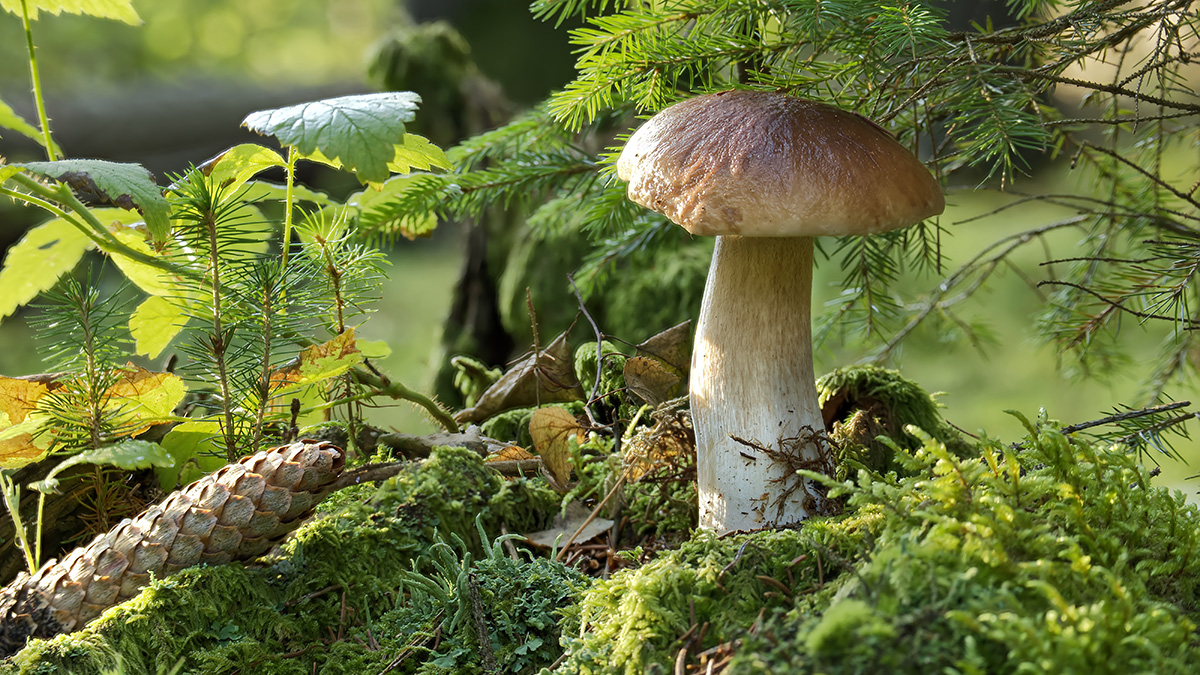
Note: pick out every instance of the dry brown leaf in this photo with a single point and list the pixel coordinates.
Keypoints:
(565, 525)
(511, 453)
(673, 347)
(547, 376)
(552, 429)
(650, 380)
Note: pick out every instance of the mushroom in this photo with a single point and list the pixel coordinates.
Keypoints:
(765, 173)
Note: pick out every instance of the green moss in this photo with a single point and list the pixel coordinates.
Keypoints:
(1056, 559)
(337, 575)
(633, 621)
(864, 402)
(1053, 556)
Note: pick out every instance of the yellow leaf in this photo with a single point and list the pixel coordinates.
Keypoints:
(18, 399)
(552, 429)
(152, 280)
(36, 263)
(145, 397)
(154, 323)
(319, 362)
(510, 453)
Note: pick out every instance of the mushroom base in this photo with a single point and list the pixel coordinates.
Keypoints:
(753, 398)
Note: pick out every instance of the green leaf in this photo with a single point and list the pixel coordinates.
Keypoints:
(416, 152)
(129, 186)
(374, 349)
(260, 190)
(35, 263)
(128, 455)
(242, 162)
(152, 280)
(361, 131)
(9, 119)
(121, 10)
(155, 323)
(142, 398)
(318, 363)
(194, 447)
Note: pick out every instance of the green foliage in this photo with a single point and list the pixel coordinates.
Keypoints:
(982, 104)
(364, 133)
(122, 10)
(128, 186)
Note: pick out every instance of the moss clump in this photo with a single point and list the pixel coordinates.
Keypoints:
(637, 620)
(333, 579)
(861, 403)
(1052, 556)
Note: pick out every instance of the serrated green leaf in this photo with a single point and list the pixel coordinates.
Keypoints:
(128, 455)
(8, 171)
(129, 186)
(416, 152)
(9, 119)
(360, 132)
(36, 263)
(121, 10)
(240, 163)
(194, 447)
(155, 323)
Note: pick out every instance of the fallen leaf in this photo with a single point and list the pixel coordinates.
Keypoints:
(510, 453)
(566, 524)
(673, 347)
(650, 380)
(547, 376)
(552, 429)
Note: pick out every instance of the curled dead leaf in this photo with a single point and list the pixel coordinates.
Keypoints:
(552, 429)
(567, 524)
(650, 380)
(673, 347)
(543, 377)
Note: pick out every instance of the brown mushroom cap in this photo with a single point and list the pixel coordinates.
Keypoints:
(762, 164)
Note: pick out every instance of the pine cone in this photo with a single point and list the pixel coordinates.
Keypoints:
(237, 513)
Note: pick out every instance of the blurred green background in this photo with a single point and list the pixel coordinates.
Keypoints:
(199, 66)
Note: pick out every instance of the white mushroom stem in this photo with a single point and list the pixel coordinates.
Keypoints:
(752, 377)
